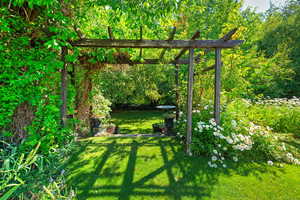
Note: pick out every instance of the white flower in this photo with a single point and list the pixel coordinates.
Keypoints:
(215, 151)
(296, 161)
(283, 147)
(213, 158)
(229, 140)
(270, 162)
(233, 123)
(224, 166)
(225, 148)
(289, 155)
(235, 159)
(212, 121)
(280, 165)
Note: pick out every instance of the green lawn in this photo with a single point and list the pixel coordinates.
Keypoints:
(156, 168)
(136, 122)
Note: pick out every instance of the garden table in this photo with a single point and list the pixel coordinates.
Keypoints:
(168, 121)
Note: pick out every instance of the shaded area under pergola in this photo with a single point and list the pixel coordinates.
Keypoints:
(170, 43)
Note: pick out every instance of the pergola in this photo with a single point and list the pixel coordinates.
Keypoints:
(170, 43)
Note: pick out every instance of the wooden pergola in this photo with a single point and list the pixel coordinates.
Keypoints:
(170, 43)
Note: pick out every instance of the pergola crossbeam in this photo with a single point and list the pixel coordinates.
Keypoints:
(156, 43)
(145, 61)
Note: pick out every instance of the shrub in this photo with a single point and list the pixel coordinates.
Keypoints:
(282, 114)
(236, 138)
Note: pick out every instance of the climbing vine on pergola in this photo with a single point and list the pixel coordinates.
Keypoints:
(170, 43)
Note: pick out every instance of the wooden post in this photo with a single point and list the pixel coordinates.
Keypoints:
(190, 103)
(64, 72)
(141, 38)
(177, 90)
(217, 85)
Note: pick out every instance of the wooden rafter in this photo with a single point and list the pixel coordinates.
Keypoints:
(225, 38)
(171, 37)
(111, 36)
(194, 37)
(110, 33)
(210, 68)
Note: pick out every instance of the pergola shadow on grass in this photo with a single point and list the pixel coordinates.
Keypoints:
(170, 43)
(180, 181)
(146, 168)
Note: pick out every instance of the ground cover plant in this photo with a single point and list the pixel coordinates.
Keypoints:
(32, 175)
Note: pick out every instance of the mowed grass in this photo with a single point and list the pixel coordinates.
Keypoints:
(157, 168)
(142, 168)
(136, 122)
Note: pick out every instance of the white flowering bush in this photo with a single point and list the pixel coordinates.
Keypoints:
(292, 102)
(282, 114)
(100, 105)
(235, 139)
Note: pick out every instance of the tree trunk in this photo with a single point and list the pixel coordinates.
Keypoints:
(83, 104)
(22, 117)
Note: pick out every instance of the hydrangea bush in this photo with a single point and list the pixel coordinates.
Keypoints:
(235, 139)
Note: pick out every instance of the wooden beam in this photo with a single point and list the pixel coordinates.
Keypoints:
(171, 37)
(217, 85)
(194, 37)
(156, 43)
(64, 73)
(145, 61)
(190, 103)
